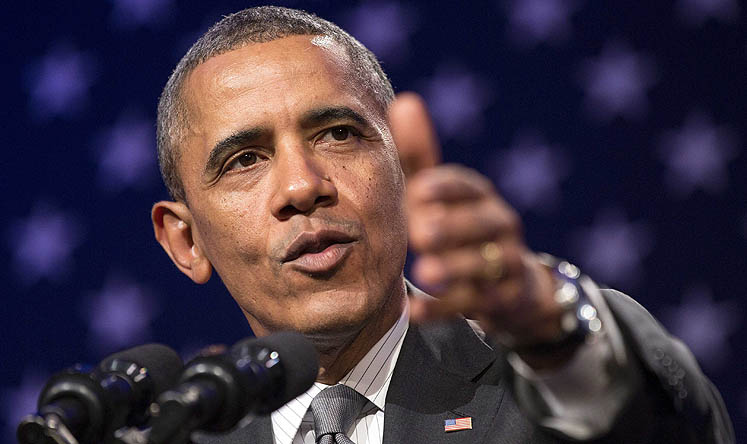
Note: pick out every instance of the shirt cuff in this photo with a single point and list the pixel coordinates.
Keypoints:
(582, 399)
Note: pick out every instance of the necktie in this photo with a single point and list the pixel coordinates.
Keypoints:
(334, 409)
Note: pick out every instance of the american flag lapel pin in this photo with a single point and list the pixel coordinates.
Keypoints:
(452, 425)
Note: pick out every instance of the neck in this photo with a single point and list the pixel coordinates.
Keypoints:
(337, 358)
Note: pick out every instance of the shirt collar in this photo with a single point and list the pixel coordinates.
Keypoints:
(370, 377)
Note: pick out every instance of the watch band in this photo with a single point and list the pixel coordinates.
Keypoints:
(579, 319)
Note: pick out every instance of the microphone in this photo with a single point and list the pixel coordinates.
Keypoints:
(83, 406)
(256, 376)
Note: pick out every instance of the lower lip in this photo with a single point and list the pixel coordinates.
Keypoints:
(324, 261)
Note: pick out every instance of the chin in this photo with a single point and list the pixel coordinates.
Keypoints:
(348, 312)
(326, 316)
(342, 316)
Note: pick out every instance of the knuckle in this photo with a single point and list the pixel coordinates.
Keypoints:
(417, 239)
(502, 217)
(423, 239)
(417, 192)
(514, 257)
(512, 219)
(428, 270)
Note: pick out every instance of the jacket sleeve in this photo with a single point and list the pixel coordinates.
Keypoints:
(634, 383)
(677, 402)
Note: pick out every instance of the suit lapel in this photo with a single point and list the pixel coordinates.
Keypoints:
(259, 431)
(434, 380)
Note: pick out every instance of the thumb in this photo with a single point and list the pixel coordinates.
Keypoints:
(413, 133)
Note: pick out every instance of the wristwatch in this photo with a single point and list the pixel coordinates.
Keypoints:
(579, 319)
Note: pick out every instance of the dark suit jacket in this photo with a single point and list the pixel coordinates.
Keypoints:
(446, 371)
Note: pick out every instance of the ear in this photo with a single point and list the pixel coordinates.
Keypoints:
(413, 133)
(172, 224)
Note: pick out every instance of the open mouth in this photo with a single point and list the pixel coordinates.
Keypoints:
(320, 252)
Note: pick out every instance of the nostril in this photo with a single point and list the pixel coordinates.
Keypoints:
(288, 211)
(323, 201)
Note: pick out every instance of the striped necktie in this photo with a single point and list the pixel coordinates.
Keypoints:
(335, 409)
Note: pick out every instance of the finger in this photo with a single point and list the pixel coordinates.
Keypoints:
(447, 183)
(443, 307)
(471, 300)
(413, 133)
(467, 264)
(440, 227)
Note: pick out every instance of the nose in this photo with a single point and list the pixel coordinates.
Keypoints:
(302, 185)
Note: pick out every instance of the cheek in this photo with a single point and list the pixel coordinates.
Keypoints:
(232, 232)
(378, 187)
(387, 186)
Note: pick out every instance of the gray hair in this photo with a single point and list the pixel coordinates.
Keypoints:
(252, 25)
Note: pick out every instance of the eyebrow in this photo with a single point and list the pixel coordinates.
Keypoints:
(227, 145)
(329, 114)
(312, 118)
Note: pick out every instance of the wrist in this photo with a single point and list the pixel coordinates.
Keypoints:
(575, 319)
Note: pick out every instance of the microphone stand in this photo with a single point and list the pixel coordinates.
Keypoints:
(47, 429)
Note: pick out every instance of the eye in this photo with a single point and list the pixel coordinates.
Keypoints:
(340, 133)
(243, 160)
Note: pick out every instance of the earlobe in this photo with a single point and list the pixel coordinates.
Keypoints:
(200, 267)
(172, 225)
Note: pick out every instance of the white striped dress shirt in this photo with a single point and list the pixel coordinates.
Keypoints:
(294, 424)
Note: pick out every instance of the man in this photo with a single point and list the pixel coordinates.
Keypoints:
(280, 141)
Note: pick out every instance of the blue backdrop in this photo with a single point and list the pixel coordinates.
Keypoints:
(618, 129)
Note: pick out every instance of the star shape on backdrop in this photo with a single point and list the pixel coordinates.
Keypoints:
(531, 22)
(383, 27)
(119, 314)
(616, 83)
(59, 82)
(126, 153)
(43, 244)
(697, 12)
(704, 324)
(20, 400)
(457, 99)
(529, 173)
(612, 248)
(135, 13)
(697, 155)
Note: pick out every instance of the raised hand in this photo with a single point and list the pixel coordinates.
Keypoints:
(471, 252)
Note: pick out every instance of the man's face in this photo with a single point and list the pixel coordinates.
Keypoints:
(294, 186)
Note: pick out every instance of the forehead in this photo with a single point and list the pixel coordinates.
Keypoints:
(252, 58)
(272, 74)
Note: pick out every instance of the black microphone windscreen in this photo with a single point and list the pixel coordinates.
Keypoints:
(163, 363)
(299, 359)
